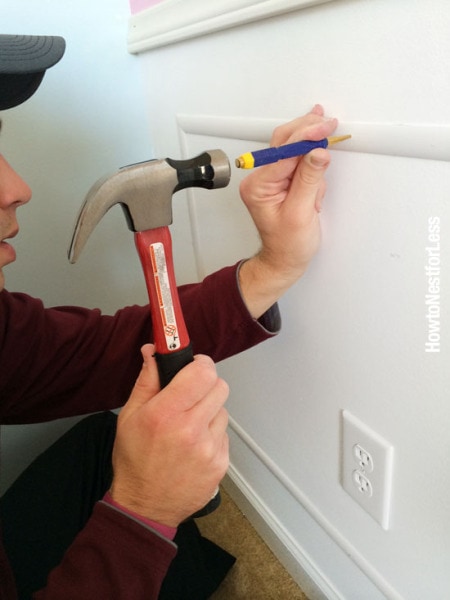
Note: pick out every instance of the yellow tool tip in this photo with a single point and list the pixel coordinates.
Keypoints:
(245, 161)
(337, 138)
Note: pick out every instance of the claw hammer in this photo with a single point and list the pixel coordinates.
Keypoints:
(145, 190)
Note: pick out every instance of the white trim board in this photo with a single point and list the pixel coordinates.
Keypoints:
(173, 21)
(413, 140)
(298, 564)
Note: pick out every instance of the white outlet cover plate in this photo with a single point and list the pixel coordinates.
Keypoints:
(356, 436)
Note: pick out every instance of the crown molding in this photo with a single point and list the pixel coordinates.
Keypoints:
(173, 21)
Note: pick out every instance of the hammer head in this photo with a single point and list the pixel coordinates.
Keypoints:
(144, 190)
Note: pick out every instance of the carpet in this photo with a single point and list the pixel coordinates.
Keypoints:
(257, 574)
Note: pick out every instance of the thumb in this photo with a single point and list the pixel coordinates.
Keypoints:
(147, 384)
(308, 182)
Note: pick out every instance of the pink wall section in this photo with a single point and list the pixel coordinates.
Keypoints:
(140, 5)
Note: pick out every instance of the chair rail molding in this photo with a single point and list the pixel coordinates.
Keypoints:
(429, 141)
(173, 21)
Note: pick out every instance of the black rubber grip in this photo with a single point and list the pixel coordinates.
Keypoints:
(170, 364)
(210, 507)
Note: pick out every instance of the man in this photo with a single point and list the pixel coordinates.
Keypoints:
(75, 526)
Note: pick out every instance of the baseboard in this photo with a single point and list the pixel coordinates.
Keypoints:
(306, 574)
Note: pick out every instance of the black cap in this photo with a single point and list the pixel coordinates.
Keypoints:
(23, 62)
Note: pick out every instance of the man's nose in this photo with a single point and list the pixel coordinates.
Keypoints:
(13, 189)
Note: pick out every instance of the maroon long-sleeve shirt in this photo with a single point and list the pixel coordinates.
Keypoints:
(67, 361)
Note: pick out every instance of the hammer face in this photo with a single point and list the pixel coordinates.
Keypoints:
(209, 170)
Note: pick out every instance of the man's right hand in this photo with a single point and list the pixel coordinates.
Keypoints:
(171, 447)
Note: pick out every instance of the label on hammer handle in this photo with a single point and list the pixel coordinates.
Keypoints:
(164, 293)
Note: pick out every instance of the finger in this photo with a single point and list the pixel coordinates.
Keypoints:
(308, 182)
(223, 455)
(211, 405)
(147, 384)
(190, 385)
(218, 425)
(285, 133)
(320, 196)
(317, 109)
(313, 126)
(319, 130)
(220, 455)
(283, 170)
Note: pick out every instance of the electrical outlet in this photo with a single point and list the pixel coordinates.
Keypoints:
(367, 467)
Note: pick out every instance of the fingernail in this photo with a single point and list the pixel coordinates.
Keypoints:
(318, 162)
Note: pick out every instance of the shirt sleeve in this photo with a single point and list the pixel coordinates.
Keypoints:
(65, 361)
(114, 556)
(218, 320)
(164, 530)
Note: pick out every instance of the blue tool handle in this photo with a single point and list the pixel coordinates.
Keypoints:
(271, 155)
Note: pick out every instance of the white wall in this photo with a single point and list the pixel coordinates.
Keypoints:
(354, 327)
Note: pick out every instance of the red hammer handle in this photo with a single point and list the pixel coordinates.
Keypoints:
(172, 344)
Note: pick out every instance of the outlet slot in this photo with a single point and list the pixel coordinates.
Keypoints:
(367, 468)
(363, 458)
(362, 483)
